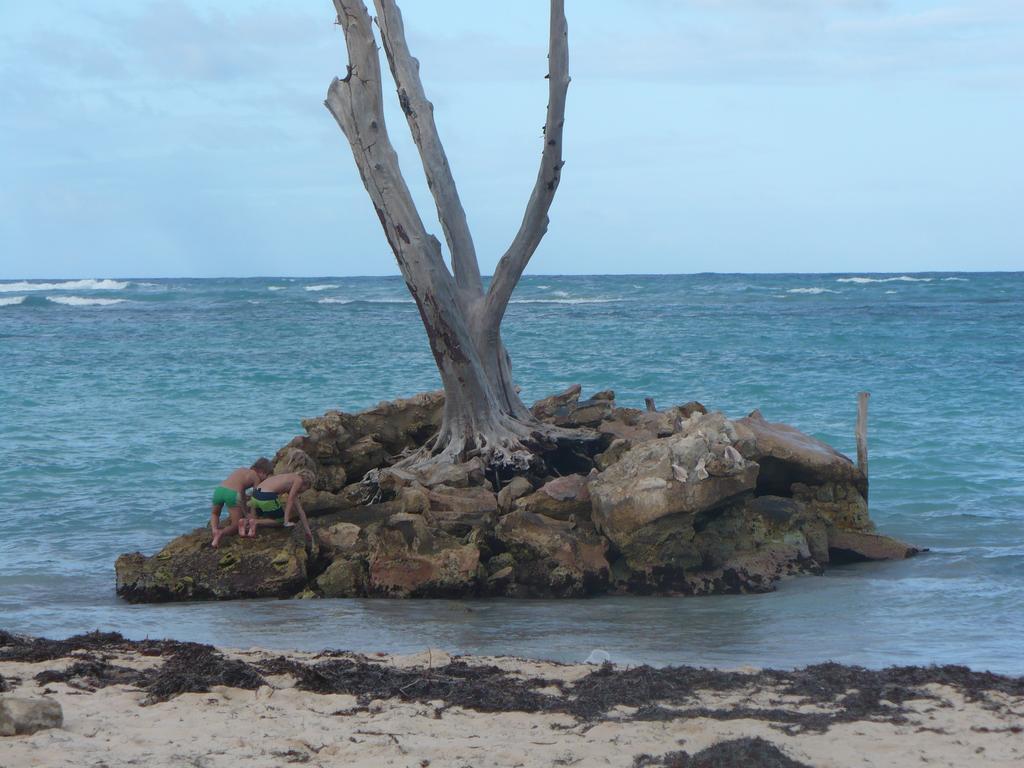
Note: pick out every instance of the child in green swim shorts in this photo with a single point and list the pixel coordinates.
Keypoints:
(231, 494)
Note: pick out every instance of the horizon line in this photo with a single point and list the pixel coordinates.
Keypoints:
(1007, 271)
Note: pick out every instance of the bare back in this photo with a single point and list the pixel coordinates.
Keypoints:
(241, 479)
(279, 483)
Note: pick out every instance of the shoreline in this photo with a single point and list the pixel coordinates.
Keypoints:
(164, 702)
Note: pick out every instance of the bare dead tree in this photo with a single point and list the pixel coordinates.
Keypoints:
(483, 415)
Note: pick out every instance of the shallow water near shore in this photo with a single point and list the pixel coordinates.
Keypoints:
(124, 402)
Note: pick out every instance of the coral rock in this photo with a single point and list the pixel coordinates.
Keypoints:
(407, 559)
(560, 499)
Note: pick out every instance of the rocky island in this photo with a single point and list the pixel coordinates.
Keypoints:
(674, 501)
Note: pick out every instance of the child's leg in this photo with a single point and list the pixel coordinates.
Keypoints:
(236, 517)
(215, 517)
(244, 523)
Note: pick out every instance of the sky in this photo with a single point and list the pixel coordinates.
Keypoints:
(179, 138)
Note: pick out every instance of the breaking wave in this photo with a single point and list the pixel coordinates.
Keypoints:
(565, 301)
(277, 287)
(811, 290)
(901, 278)
(324, 287)
(334, 300)
(66, 285)
(8, 301)
(81, 301)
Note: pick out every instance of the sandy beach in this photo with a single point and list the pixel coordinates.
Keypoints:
(162, 703)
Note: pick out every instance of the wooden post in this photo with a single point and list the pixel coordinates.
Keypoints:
(649, 401)
(862, 432)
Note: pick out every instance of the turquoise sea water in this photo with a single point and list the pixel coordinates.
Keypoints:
(124, 402)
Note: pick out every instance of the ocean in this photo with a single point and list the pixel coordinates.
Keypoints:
(124, 402)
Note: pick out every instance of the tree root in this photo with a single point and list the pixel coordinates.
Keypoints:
(508, 448)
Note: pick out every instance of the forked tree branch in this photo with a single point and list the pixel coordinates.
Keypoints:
(535, 220)
(357, 104)
(420, 114)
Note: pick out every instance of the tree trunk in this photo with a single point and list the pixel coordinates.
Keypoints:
(483, 415)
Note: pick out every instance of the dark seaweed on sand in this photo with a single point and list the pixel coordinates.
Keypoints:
(843, 693)
(89, 674)
(607, 687)
(195, 671)
(749, 753)
(189, 668)
(35, 649)
(846, 693)
(458, 684)
(823, 682)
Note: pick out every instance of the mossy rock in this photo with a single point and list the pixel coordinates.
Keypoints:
(344, 578)
(274, 564)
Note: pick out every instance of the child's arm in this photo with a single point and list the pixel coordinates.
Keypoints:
(302, 517)
(293, 500)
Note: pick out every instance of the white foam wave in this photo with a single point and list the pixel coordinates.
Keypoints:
(955, 279)
(324, 287)
(9, 301)
(81, 301)
(811, 290)
(66, 285)
(333, 300)
(564, 301)
(889, 292)
(900, 279)
(277, 287)
(563, 294)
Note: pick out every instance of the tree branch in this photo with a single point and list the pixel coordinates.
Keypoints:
(420, 114)
(356, 102)
(535, 220)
